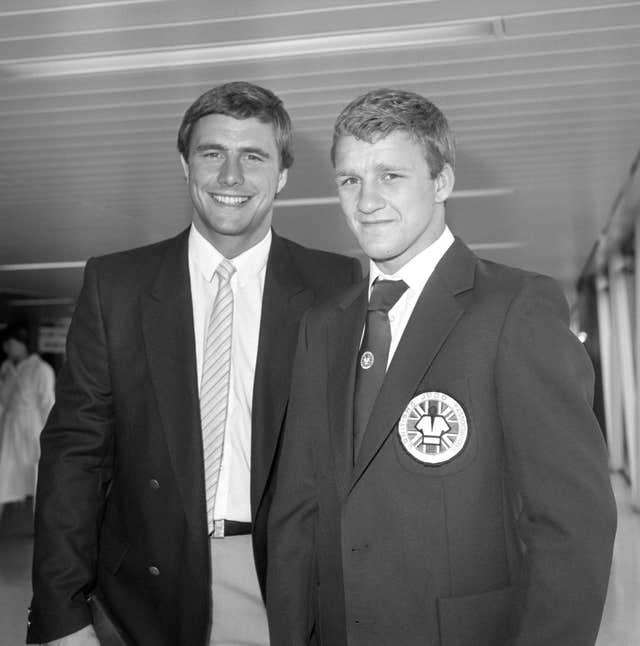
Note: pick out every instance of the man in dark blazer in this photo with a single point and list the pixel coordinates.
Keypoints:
(122, 515)
(470, 503)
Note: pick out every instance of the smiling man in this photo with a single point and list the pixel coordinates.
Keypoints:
(157, 461)
(234, 171)
(443, 480)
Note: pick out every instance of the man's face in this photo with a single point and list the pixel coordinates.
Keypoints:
(14, 349)
(234, 174)
(390, 201)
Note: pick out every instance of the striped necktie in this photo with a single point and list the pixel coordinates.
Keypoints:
(214, 388)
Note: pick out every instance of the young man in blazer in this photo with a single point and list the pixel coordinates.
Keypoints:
(461, 497)
(123, 513)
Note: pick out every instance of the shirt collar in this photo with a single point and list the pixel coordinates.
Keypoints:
(417, 271)
(248, 264)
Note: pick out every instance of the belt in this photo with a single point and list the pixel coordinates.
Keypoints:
(222, 528)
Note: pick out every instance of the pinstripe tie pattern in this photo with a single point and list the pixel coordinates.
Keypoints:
(214, 389)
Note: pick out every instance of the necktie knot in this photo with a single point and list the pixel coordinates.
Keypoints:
(225, 270)
(385, 294)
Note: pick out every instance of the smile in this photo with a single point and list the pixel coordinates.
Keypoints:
(373, 223)
(230, 200)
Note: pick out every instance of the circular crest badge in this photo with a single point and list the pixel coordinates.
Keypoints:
(433, 428)
(366, 360)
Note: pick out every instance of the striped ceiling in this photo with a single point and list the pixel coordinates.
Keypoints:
(542, 96)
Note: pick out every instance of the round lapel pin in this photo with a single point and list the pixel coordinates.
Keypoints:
(367, 360)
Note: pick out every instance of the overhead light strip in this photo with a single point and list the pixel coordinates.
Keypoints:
(280, 14)
(461, 194)
(253, 50)
(30, 266)
(475, 246)
(76, 7)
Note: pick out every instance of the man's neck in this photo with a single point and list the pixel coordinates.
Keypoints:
(231, 246)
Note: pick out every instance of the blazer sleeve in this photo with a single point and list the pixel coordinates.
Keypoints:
(73, 475)
(557, 462)
(290, 598)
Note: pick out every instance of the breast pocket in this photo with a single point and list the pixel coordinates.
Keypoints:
(436, 435)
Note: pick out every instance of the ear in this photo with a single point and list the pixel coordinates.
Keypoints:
(282, 179)
(444, 184)
(185, 167)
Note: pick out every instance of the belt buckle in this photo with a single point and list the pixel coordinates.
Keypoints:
(218, 529)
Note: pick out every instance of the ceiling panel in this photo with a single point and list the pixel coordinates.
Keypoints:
(542, 96)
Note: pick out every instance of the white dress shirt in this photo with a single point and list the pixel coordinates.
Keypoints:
(415, 274)
(247, 285)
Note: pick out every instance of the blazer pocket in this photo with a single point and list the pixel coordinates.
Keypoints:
(476, 620)
(111, 551)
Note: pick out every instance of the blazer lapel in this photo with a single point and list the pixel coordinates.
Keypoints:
(167, 320)
(433, 318)
(344, 330)
(284, 300)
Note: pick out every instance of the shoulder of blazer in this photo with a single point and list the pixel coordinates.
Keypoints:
(335, 305)
(323, 271)
(499, 286)
(137, 267)
(504, 278)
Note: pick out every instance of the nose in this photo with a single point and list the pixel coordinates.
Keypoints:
(231, 172)
(369, 199)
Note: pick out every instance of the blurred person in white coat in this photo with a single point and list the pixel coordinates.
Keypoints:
(26, 397)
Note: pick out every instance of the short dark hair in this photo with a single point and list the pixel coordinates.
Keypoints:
(378, 113)
(18, 332)
(241, 100)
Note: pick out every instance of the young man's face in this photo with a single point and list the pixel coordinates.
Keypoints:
(234, 175)
(14, 349)
(390, 201)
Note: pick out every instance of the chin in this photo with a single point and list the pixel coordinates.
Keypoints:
(377, 254)
(228, 226)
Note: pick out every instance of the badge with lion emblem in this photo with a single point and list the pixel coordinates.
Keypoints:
(433, 428)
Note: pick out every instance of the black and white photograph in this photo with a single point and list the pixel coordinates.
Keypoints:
(319, 323)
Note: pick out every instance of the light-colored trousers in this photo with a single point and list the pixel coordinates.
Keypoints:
(239, 615)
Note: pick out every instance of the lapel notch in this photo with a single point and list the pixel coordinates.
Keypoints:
(167, 322)
(344, 330)
(285, 299)
(434, 316)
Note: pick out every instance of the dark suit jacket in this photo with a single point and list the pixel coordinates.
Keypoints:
(120, 502)
(509, 542)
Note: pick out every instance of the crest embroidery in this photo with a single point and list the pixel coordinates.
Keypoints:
(433, 428)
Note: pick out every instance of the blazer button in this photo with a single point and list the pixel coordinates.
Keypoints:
(154, 570)
(155, 485)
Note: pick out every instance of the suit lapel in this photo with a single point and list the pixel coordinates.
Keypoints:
(434, 316)
(344, 330)
(284, 300)
(167, 320)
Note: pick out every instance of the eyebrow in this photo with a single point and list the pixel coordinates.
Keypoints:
(392, 167)
(344, 172)
(246, 149)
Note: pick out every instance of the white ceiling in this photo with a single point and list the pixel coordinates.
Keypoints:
(542, 95)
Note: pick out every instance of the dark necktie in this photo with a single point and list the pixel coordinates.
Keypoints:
(374, 352)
